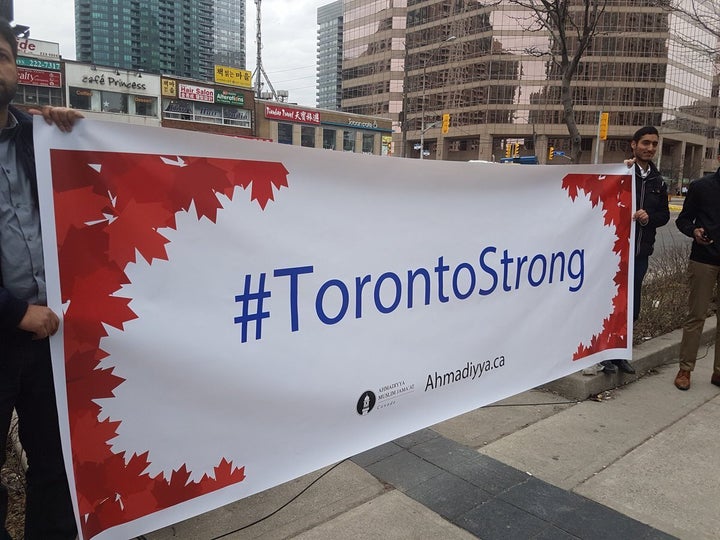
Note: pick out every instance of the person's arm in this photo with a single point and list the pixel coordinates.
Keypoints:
(41, 321)
(63, 117)
(685, 222)
(12, 310)
(661, 215)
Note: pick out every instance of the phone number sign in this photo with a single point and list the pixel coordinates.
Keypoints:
(34, 63)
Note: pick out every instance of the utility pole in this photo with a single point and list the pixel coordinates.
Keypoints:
(259, 70)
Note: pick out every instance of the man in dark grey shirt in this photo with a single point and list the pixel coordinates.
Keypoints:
(26, 380)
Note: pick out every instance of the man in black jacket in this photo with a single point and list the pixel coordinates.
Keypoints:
(26, 381)
(700, 220)
(652, 211)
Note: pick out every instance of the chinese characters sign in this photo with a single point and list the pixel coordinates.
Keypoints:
(290, 114)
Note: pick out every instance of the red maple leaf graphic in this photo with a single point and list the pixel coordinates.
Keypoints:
(131, 196)
(614, 194)
(135, 229)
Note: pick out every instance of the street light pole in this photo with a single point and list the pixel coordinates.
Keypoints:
(422, 103)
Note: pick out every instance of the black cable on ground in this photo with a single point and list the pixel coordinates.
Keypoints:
(283, 506)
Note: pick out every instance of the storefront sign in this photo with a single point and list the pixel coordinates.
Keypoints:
(34, 47)
(169, 88)
(228, 97)
(362, 125)
(36, 77)
(288, 114)
(114, 81)
(233, 76)
(40, 64)
(196, 93)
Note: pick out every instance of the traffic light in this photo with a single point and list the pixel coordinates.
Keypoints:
(508, 150)
(551, 153)
(445, 122)
(516, 151)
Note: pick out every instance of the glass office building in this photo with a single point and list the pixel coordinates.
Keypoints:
(373, 57)
(178, 37)
(485, 66)
(329, 55)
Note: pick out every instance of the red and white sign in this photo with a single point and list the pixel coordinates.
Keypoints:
(233, 316)
(290, 114)
(38, 77)
(196, 93)
(37, 48)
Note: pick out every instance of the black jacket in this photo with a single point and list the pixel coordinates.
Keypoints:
(702, 209)
(650, 195)
(12, 309)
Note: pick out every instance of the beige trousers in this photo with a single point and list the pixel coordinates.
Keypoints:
(702, 279)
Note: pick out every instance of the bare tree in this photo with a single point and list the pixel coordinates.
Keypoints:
(571, 26)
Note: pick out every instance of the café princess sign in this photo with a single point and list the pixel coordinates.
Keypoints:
(228, 97)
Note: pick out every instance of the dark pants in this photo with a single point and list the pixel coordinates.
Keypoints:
(26, 383)
(641, 268)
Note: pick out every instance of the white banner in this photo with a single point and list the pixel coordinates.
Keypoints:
(238, 313)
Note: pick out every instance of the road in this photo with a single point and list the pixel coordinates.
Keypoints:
(669, 237)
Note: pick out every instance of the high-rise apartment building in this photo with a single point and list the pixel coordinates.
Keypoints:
(329, 55)
(229, 33)
(179, 37)
(482, 64)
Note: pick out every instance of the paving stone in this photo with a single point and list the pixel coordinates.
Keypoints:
(448, 495)
(376, 454)
(444, 452)
(553, 533)
(499, 520)
(489, 474)
(543, 500)
(593, 521)
(417, 437)
(403, 470)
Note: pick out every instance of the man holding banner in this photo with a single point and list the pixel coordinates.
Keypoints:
(652, 211)
(26, 381)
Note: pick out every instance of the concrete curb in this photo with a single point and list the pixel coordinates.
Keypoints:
(646, 356)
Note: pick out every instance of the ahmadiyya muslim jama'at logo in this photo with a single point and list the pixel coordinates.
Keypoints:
(366, 403)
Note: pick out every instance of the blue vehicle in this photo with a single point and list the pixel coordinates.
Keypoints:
(522, 160)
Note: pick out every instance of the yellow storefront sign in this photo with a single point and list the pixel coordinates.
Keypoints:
(233, 76)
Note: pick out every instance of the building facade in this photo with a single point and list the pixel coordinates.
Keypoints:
(374, 58)
(112, 94)
(226, 106)
(485, 66)
(320, 128)
(179, 37)
(229, 33)
(329, 55)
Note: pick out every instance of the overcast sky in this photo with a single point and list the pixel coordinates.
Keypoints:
(289, 32)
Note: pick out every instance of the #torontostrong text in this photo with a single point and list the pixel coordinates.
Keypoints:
(386, 292)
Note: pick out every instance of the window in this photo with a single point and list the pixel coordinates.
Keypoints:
(307, 136)
(80, 98)
(114, 102)
(349, 141)
(206, 113)
(285, 133)
(329, 138)
(38, 95)
(368, 143)
(145, 106)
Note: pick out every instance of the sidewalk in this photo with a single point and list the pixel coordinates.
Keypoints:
(639, 463)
